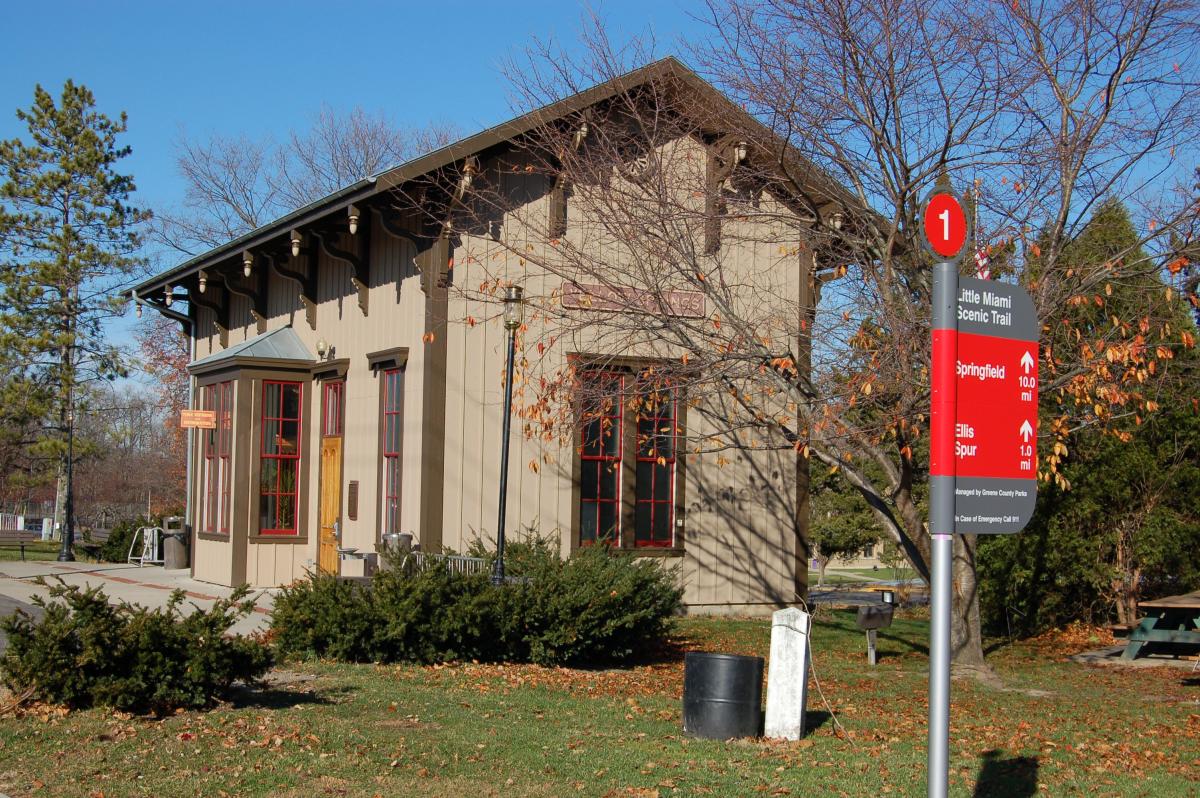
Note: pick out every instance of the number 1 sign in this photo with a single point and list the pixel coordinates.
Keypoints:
(945, 225)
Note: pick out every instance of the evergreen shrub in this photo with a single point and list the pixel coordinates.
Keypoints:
(85, 651)
(599, 607)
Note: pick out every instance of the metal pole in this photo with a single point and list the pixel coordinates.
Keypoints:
(943, 403)
(498, 568)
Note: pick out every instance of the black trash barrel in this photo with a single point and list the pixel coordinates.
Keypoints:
(722, 695)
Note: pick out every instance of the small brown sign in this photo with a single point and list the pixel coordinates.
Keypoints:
(198, 419)
(584, 296)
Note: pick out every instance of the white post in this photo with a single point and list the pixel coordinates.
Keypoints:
(787, 674)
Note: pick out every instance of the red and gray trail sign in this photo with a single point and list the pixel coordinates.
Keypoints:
(994, 448)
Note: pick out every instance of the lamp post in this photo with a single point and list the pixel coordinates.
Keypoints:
(514, 314)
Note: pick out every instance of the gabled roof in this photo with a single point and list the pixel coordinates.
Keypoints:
(281, 344)
(669, 68)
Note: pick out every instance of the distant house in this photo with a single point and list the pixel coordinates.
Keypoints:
(352, 402)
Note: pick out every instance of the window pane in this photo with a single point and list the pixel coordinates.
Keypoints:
(291, 401)
(610, 475)
(662, 523)
(287, 512)
(589, 480)
(268, 479)
(271, 400)
(266, 511)
(587, 523)
(643, 479)
(287, 476)
(271, 439)
(608, 521)
(290, 437)
(642, 521)
(662, 482)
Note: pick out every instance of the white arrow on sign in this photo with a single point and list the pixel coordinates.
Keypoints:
(1027, 361)
(1026, 430)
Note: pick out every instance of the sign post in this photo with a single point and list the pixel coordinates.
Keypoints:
(982, 430)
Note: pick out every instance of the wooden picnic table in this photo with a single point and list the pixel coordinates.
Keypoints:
(1172, 621)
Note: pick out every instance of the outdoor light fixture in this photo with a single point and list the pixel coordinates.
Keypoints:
(168, 295)
(580, 135)
(138, 307)
(514, 314)
(836, 220)
(203, 282)
(470, 168)
(514, 307)
(353, 223)
(322, 348)
(295, 244)
(247, 263)
(740, 150)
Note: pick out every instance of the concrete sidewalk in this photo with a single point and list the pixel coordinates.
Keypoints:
(149, 586)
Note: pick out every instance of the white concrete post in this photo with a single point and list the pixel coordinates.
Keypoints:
(787, 675)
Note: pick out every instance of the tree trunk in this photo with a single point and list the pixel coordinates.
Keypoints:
(803, 528)
(966, 634)
(60, 501)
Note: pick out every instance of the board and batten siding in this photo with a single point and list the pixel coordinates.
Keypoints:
(395, 318)
(740, 536)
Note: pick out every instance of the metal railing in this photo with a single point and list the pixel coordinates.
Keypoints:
(455, 563)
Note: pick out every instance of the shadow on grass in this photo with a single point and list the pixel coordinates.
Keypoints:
(814, 719)
(269, 697)
(908, 644)
(1011, 777)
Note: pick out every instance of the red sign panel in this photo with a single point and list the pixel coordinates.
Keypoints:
(945, 224)
(996, 427)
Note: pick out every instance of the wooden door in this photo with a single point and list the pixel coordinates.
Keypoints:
(331, 503)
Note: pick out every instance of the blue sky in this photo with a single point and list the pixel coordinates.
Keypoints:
(263, 68)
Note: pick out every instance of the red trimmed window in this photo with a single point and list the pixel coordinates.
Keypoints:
(393, 402)
(332, 402)
(600, 458)
(279, 460)
(225, 449)
(654, 512)
(217, 465)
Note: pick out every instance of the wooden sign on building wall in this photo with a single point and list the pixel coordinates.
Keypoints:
(198, 419)
(586, 296)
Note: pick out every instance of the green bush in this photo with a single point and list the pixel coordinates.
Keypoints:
(116, 547)
(324, 616)
(85, 651)
(598, 607)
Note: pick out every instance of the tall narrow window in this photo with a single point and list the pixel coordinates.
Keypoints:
(212, 485)
(332, 416)
(600, 458)
(217, 443)
(225, 448)
(654, 514)
(393, 397)
(279, 478)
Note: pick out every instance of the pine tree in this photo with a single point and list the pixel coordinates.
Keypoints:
(68, 240)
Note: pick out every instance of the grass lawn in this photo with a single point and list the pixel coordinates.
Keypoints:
(34, 550)
(1055, 728)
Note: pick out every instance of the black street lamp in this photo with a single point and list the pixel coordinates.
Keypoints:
(514, 314)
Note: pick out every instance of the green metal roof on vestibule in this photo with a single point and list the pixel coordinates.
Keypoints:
(281, 344)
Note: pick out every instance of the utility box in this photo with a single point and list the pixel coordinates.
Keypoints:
(176, 543)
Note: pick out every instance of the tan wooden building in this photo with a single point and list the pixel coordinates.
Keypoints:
(357, 386)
